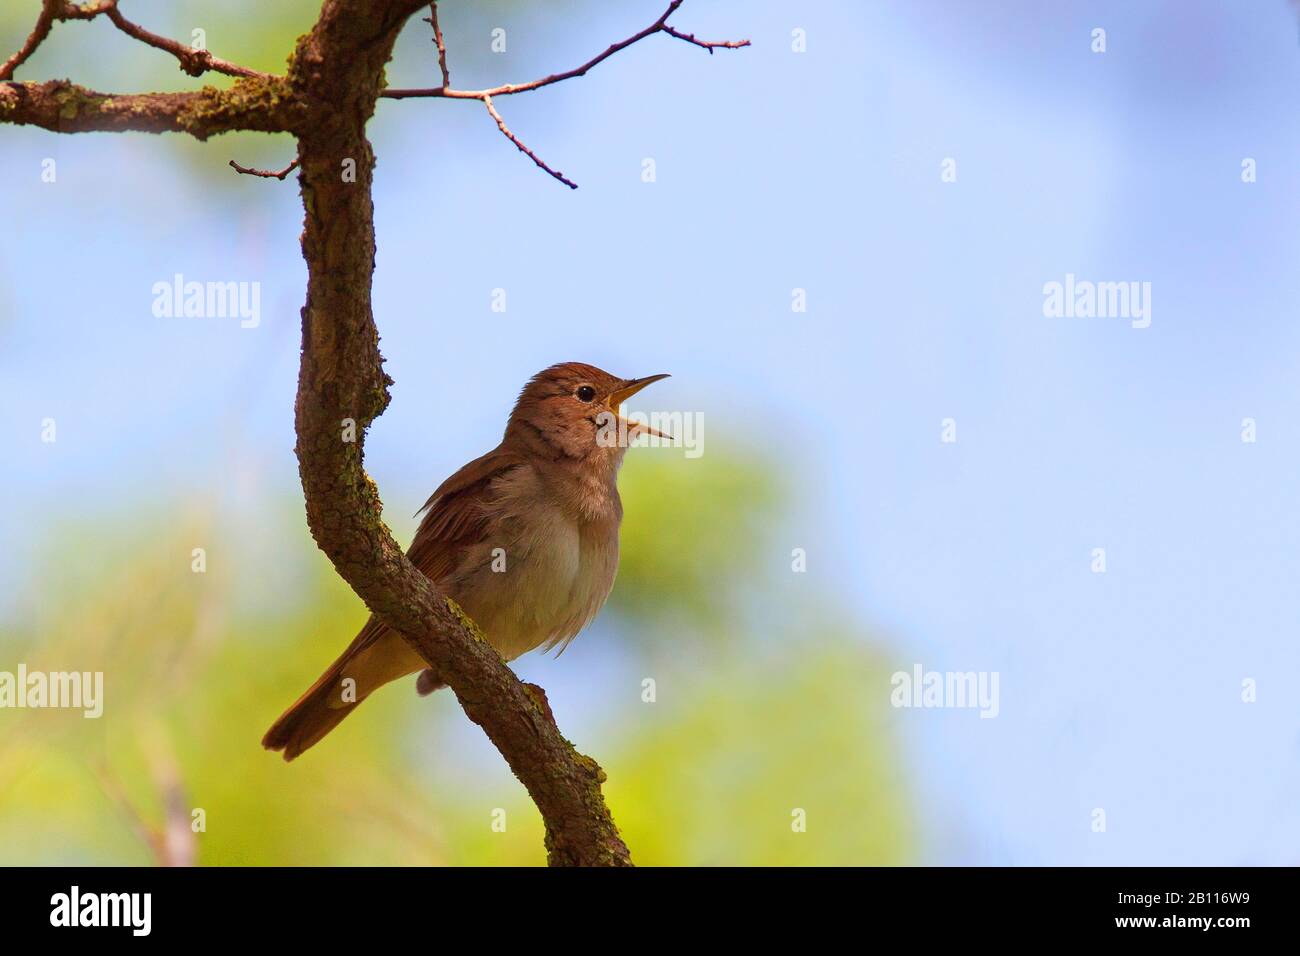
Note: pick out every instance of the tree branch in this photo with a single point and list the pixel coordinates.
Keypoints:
(259, 101)
(259, 104)
(342, 377)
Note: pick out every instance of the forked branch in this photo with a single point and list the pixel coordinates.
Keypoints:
(445, 91)
(508, 89)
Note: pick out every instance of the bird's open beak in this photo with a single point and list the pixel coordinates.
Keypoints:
(626, 391)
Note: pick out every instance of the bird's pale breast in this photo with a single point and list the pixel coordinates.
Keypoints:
(543, 571)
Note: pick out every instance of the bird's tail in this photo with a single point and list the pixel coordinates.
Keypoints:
(311, 717)
(374, 658)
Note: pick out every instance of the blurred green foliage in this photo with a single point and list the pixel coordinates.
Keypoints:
(691, 539)
(745, 728)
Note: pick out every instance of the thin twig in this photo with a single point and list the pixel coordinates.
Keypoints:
(432, 20)
(501, 125)
(659, 26)
(49, 12)
(709, 45)
(264, 173)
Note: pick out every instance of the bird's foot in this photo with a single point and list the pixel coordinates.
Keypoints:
(427, 683)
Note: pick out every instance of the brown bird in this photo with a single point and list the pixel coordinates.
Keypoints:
(525, 539)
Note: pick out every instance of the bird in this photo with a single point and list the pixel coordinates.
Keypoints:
(524, 539)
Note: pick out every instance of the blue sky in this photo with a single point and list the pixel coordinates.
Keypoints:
(821, 171)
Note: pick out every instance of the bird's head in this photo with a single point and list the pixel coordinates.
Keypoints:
(571, 410)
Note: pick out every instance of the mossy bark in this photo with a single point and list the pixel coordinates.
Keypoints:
(261, 104)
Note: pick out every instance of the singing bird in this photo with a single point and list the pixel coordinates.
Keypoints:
(525, 539)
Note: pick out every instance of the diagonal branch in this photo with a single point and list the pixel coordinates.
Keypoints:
(501, 125)
(342, 377)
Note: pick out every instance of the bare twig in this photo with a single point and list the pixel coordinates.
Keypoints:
(432, 20)
(264, 173)
(659, 26)
(49, 13)
(709, 45)
(501, 125)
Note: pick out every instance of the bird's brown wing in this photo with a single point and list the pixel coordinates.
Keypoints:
(457, 514)
(454, 519)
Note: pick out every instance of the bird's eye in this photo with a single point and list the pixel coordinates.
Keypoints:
(586, 393)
